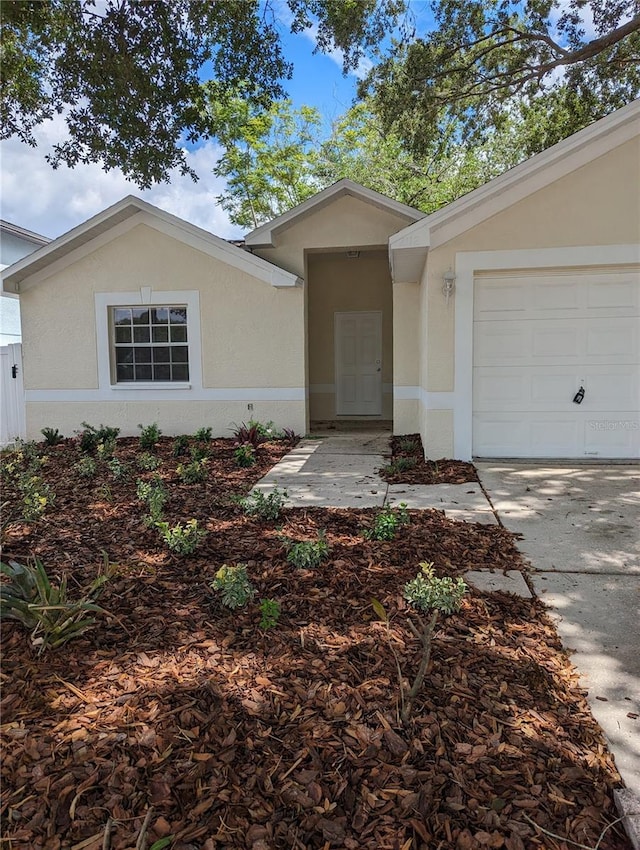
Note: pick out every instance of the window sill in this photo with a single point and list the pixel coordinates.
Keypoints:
(156, 385)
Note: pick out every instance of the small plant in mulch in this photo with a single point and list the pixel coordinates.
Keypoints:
(269, 614)
(245, 455)
(86, 467)
(234, 585)
(432, 596)
(386, 523)
(251, 434)
(203, 435)
(267, 507)
(307, 554)
(37, 496)
(45, 608)
(401, 464)
(117, 468)
(149, 436)
(147, 462)
(199, 452)
(90, 437)
(52, 437)
(180, 446)
(155, 495)
(408, 465)
(194, 472)
(181, 539)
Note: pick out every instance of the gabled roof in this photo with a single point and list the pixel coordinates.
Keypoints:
(263, 236)
(408, 248)
(127, 213)
(23, 233)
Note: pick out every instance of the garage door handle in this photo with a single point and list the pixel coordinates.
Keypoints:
(579, 396)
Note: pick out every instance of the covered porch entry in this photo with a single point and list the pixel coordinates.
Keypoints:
(349, 322)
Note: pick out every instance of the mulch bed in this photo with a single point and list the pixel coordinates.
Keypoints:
(231, 737)
(408, 465)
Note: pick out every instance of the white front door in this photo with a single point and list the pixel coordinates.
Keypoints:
(539, 339)
(358, 351)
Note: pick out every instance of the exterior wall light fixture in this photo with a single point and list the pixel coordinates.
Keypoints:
(448, 284)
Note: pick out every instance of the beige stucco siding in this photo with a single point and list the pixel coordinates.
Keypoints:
(337, 283)
(598, 204)
(346, 222)
(252, 334)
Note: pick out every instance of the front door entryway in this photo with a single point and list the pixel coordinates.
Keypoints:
(358, 357)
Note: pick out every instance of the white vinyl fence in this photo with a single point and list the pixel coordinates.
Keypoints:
(12, 409)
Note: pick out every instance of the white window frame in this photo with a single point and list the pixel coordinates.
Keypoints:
(147, 297)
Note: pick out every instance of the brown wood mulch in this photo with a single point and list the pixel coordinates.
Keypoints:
(177, 710)
(408, 465)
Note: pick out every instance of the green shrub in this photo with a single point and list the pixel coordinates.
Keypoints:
(426, 592)
(234, 585)
(105, 449)
(180, 446)
(199, 453)
(307, 554)
(245, 455)
(203, 434)
(90, 437)
(194, 472)
(409, 445)
(264, 507)
(149, 436)
(386, 523)
(37, 496)
(269, 613)
(52, 436)
(155, 494)
(118, 469)
(46, 610)
(86, 467)
(182, 539)
(400, 464)
(147, 462)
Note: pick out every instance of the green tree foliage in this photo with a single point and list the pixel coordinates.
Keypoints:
(273, 160)
(559, 63)
(269, 158)
(127, 75)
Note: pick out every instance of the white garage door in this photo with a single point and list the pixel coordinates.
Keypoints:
(537, 340)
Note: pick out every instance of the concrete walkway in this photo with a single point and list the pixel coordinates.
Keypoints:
(341, 471)
(580, 531)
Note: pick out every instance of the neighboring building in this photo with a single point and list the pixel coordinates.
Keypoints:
(15, 243)
(481, 326)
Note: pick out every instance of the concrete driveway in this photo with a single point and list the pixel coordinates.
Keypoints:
(580, 529)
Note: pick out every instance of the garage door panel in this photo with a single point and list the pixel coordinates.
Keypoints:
(533, 350)
(569, 296)
(613, 339)
(560, 342)
(613, 295)
(615, 435)
(511, 389)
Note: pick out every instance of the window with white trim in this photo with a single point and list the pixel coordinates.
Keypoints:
(149, 343)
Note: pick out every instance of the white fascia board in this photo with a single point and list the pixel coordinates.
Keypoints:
(523, 180)
(262, 237)
(120, 218)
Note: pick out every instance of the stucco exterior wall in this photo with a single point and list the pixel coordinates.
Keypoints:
(596, 204)
(337, 283)
(242, 328)
(346, 222)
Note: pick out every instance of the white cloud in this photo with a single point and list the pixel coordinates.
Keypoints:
(51, 202)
